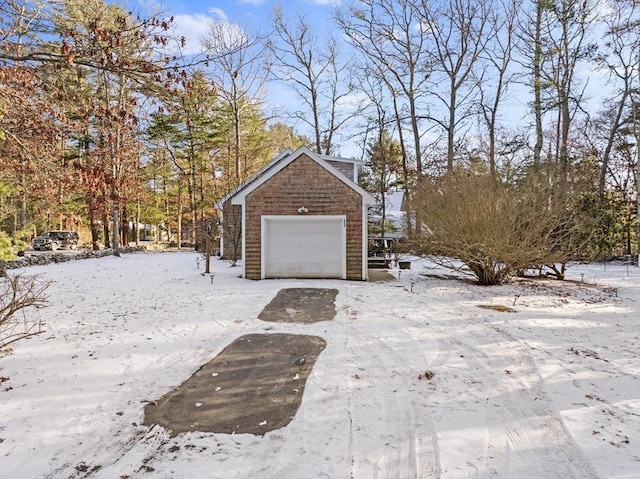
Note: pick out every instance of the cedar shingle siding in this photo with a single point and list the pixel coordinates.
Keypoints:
(347, 169)
(303, 183)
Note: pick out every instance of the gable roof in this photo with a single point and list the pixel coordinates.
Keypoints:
(395, 201)
(280, 162)
(253, 177)
(341, 159)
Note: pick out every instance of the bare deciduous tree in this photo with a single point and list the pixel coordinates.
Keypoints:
(497, 58)
(232, 233)
(397, 53)
(239, 75)
(316, 72)
(458, 29)
(621, 57)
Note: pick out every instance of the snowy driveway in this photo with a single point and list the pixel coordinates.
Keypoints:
(421, 384)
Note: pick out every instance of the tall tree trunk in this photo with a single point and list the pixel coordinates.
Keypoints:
(105, 226)
(137, 222)
(383, 206)
(179, 226)
(22, 207)
(565, 119)
(193, 199)
(636, 131)
(236, 134)
(124, 227)
(537, 83)
(115, 233)
(405, 168)
(418, 152)
(615, 125)
(316, 120)
(492, 148)
(451, 126)
(93, 223)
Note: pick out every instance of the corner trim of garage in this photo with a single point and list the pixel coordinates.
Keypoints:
(365, 241)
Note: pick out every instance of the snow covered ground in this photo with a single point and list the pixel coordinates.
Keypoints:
(416, 381)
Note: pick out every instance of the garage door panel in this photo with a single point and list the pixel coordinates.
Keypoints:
(304, 247)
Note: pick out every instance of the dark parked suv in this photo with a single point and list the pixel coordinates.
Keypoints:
(56, 239)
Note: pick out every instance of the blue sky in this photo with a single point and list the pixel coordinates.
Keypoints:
(239, 10)
(191, 17)
(191, 20)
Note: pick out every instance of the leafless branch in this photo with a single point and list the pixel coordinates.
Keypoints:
(18, 293)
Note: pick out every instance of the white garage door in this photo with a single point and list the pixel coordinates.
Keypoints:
(304, 246)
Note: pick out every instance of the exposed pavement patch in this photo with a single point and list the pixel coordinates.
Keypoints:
(301, 305)
(380, 276)
(253, 386)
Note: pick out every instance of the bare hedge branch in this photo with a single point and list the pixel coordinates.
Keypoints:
(17, 293)
(495, 229)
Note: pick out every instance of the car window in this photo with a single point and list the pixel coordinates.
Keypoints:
(61, 235)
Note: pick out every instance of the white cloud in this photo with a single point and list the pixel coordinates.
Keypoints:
(215, 23)
(192, 27)
(218, 14)
(225, 36)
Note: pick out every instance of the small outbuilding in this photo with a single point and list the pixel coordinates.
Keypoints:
(302, 215)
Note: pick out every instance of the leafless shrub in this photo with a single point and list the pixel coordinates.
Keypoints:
(18, 293)
(493, 230)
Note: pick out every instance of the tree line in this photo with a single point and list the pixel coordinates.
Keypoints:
(498, 195)
(105, 123)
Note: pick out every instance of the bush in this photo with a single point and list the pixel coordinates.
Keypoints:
(495, 229)
(9, 246)
(6, 247)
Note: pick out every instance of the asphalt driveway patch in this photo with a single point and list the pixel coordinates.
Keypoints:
(380, 276)
(255, 385)
(301, 305)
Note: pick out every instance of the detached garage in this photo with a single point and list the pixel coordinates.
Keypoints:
(302, 216)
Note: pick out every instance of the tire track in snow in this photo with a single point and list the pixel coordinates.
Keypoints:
(385, 393)
(117, 449)
(99, 459)
(413, 449)
(525, 432)
(493, 361)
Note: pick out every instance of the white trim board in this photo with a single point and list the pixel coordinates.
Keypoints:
(239, 197)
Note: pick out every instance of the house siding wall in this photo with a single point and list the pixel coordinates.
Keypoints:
(290, 189)
(347, 169)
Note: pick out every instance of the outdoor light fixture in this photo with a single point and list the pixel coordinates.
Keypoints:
(302, 210)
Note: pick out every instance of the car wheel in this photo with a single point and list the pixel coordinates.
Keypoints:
(54, 246)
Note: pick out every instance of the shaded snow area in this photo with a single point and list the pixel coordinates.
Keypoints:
(416, 381)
